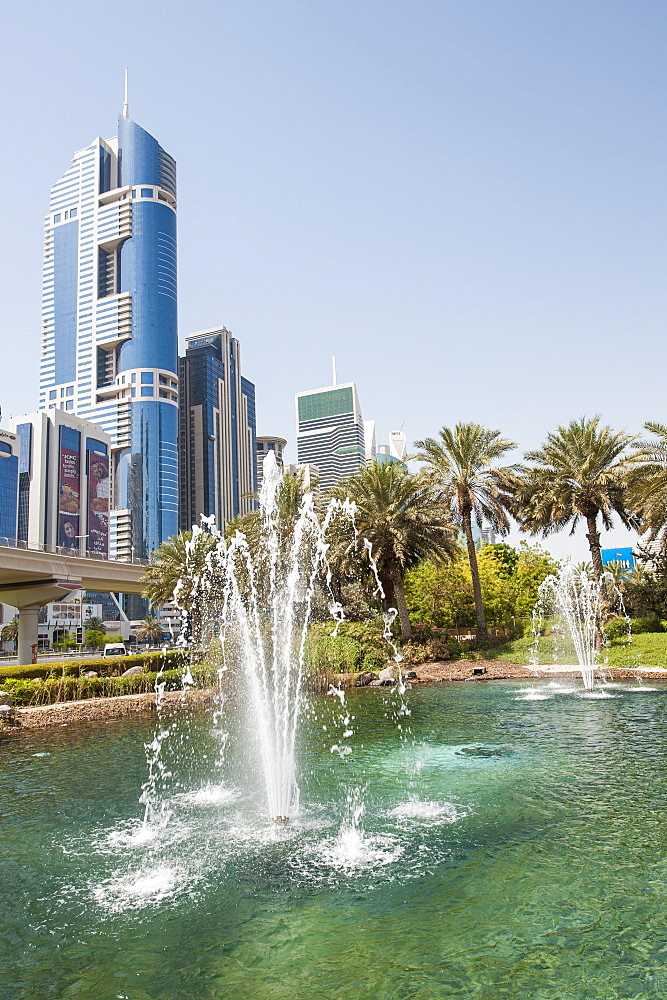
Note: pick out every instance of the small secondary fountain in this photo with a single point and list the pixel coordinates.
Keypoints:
(571, 607)
(256, 593)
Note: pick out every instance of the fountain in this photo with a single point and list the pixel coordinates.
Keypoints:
(256, 593)
(572, 605)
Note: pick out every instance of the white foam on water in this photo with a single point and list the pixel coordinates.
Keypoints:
(431, 813)
(597, 694)
(209, 795)
(353, 850)
(639, 687)
(138, 888)
(533, 696)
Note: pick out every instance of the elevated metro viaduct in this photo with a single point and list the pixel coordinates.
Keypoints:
(30, 579)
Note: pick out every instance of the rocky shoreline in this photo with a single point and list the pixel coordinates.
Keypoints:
(72, 712)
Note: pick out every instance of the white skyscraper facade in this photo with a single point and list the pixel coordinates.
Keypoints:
(109, 327)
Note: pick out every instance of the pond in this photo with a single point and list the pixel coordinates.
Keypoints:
(502, 840)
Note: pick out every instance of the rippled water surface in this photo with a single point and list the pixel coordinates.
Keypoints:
(507, 841)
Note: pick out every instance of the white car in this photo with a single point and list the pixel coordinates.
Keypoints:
(114, 649)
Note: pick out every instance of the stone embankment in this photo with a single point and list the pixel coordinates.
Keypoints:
(71, 712)
(495, 670)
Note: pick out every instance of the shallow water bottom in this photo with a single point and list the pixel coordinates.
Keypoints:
(507, 841)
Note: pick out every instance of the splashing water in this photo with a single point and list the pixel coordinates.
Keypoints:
(571, 606)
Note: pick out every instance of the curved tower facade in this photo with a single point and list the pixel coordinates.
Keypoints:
(109, 338)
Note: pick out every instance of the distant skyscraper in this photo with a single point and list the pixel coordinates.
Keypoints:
(9, 486)
(330, 431)
(217, 447)
(109, 337)
(395, 451)
(265, 444)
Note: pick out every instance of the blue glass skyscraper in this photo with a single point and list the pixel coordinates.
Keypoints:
(109, 333)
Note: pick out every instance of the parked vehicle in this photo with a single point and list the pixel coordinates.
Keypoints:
(114, 649)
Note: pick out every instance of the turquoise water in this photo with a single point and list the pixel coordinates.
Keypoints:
(506, 842)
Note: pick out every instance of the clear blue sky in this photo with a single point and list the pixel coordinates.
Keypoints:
(464, 201)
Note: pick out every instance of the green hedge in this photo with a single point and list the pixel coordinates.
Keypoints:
(73, 669)
(66, 688)
(359, 646)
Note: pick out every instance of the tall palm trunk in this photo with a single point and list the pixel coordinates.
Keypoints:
(482, 633)
(399, 597)
(593, 537)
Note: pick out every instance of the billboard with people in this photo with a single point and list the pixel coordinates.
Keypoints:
(69, 489)
(98, 504)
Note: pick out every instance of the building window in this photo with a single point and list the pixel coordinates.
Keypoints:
(69, 405)
(70, 390)
(147, 378)
(146, 390)
(72, 213)
(53, 394)
(134, 192)
(134, 378)
(147, 192)
(56, 218)
(62, 393)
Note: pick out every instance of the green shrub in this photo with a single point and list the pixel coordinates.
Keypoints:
(66, 688)
(69, 668)
(617, 628)
(648, 624)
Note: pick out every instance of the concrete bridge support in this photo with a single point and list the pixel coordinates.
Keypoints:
(28, 615)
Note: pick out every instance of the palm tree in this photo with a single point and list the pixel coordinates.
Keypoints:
(176, 561)
(10, 632)
(95, 624)
(404, 519)
(150, 629)
(579, 472)
(647, 484)
(460, 464)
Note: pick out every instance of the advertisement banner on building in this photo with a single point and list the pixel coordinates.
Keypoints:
(69, 507)
(98, 505)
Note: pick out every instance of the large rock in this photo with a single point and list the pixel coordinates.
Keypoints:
(6, 712)
(365, 678)
(388, 675)
(409, 675)
(5, 698)
(90, 673)
(132, 672)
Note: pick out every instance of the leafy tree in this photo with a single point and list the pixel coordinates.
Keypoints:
(94, 639)
(443, 596)
(404, 519)
(460, 464)
(533, 566)
(580, 472)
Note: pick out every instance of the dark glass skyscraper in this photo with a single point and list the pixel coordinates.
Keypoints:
(109, 338)
(217, 433)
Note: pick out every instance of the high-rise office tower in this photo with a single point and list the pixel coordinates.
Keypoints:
(330, 432)
(217, 430)
(109, 337)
